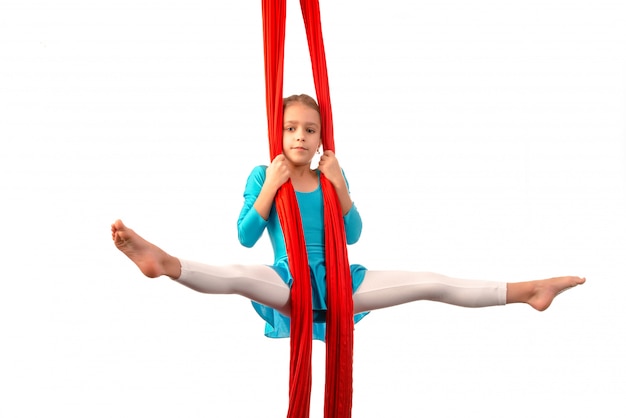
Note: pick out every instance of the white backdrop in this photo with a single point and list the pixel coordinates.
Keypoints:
(481, 139)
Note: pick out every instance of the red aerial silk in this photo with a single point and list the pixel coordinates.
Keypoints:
(339, 318)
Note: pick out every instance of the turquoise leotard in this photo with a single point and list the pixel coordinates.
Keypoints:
(251, 226)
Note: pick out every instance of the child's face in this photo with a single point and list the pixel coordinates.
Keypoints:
(301, 133)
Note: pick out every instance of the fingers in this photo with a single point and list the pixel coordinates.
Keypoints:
(280, 163)
(328, 159)
(278, 158)
(279, 171)
(329, 166)
(327, 155)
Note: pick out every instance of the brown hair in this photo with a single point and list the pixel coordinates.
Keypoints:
(304, 99)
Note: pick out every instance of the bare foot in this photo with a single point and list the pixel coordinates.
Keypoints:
(151, 260)
(543, 292)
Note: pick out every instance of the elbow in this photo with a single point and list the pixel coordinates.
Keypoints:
(246, 237)
(353, 225)
(352, 241)
(245, 240)
(352, 237)
(246, 244)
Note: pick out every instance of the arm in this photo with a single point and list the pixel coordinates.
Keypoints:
(261, 188)
(353, 225)
(251, 224)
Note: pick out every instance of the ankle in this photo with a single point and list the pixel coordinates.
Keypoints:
(520, 292)
(172, 267)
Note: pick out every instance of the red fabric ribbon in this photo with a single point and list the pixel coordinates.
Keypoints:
(339, 318)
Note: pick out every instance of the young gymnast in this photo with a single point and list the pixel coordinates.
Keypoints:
(268, 287)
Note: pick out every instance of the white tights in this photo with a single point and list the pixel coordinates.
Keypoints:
(380, 289)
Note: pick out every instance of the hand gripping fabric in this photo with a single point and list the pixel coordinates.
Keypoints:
(339, 318)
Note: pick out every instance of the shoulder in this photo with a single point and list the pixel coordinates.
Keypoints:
(256, 178)
(258, 171)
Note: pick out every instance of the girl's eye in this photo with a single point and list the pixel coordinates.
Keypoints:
(311, 131)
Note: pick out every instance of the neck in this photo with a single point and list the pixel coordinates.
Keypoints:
(300, 171)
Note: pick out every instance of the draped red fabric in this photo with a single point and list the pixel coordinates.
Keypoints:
(274, 14)
(339, 318)
(339, 333)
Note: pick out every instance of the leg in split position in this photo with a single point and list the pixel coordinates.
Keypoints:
(256, 282)
(380, 289)
(383, 289)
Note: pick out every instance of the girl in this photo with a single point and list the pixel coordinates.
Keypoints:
(269, 286)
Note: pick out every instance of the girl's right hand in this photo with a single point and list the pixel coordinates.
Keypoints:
(278, 172)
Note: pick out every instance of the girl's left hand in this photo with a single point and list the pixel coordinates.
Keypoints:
(329, 166)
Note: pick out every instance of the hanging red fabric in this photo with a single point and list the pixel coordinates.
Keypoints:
(274, 14)
(339, 318)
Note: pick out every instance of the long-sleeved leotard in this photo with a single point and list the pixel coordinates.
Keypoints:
(251, 226)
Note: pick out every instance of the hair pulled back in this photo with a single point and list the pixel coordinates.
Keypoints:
(304, 99)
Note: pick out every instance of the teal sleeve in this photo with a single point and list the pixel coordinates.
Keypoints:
(353, 225)
(250, 225)
(352, 221)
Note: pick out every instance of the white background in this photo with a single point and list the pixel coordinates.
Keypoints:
(482, 139)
